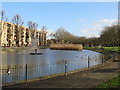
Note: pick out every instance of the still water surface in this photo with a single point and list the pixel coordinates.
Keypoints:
(50, 62)
(48, 57)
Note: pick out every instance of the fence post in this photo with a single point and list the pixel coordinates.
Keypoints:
(88, 62)
(26, 74)
(65, 68)
(114, 57)
(102, 61)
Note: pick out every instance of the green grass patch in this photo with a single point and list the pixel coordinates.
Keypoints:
(114, 83)
(116, 49)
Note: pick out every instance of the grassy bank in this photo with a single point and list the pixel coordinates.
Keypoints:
(114, 83)
(104, 49)
(13, 48)
(21, 48)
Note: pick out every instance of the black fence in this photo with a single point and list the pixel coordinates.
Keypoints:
(15, 74)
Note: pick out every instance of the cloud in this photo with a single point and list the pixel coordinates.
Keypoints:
(89, 35)
(97, 25)
(84, 25)
(107, 21)
(82, 21)
(100, 24)
(85, 30)
(97, 29)
(88, 32)
(93, 35)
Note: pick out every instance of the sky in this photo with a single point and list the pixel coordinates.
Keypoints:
(79, 18)
(60, 0)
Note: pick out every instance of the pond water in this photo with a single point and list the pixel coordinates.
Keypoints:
(50, 62)
(48, 57)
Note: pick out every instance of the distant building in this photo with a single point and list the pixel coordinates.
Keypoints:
(15, 35)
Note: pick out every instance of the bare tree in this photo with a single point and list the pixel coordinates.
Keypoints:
(44, 29)
(2, 13)
(64, 36)
(2, 17)
(17, 21)
(33, 27)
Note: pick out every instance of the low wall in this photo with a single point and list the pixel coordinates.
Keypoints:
(78, 47)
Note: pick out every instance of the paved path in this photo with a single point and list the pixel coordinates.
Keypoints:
(85, 79)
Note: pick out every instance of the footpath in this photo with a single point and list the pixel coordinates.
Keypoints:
(82, 79)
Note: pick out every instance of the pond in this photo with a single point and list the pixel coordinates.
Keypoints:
(50, 62)
(48, 57)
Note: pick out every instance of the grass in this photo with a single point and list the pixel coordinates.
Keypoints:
(114, 83)
(117, 49)
(107, 49)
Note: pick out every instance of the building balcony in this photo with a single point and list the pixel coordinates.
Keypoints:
(22, 36)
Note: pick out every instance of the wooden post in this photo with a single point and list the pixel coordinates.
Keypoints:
(102, 61)
(65, 68)
(114, 57)
(35, 50)
(26, 74)
(88, 62)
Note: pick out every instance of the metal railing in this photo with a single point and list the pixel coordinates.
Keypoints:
(15, 74)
